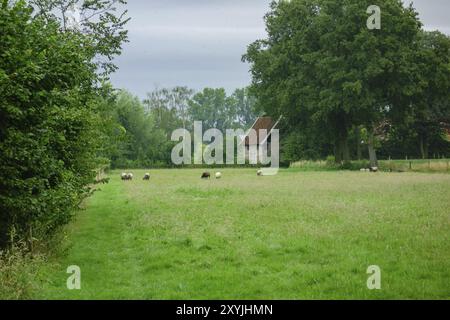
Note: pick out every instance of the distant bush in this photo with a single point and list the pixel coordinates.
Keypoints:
(319, 165)
(331, 160)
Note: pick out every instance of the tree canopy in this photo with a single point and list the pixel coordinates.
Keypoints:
(326, 71)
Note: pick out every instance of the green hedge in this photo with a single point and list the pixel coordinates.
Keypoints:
(47, 124)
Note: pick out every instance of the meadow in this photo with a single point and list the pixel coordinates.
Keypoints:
(297, 235)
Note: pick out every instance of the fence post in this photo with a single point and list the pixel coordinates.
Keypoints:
(410, 165)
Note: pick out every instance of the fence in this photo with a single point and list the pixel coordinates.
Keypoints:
(434, 165)
(441, 165)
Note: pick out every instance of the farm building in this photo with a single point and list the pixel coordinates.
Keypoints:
(262, 137)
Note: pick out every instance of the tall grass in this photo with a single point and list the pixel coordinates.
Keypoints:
(18, 269)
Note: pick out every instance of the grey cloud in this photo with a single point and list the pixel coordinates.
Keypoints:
(199, 43)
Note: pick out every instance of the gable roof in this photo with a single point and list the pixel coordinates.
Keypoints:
(261, 123)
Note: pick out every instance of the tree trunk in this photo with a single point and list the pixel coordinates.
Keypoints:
(345, 151)
(342, 151)
(371, 147)
(422, 151)
(423, 144)
(337, 153)
(358, 143)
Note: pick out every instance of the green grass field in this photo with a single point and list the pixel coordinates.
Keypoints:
(297, 235)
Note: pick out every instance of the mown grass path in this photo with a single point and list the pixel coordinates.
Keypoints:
(297, 235)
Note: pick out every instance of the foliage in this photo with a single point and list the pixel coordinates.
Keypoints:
(138, 133)
(243, 105)
(137, 139)
(169, 108)
(101, 21)
(49, 123)
(210, 106)
(325, 71)
(431, 104)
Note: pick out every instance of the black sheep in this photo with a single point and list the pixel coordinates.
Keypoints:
(206, 175)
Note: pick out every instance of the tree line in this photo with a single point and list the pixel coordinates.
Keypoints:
(346, 90)
(140, 132)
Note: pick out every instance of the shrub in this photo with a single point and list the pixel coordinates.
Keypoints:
(331, 160)
(47, 124)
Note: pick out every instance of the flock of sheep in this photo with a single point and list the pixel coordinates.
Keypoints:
(129, 176)
(218, 175)
(205, 175)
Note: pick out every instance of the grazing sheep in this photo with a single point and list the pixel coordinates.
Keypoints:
(218, 175)
(259, 173)
(146, 176)
(373, 169)
(206, 175)
(127, 176)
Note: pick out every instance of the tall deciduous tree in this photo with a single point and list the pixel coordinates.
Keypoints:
(211, 107)
(143, 143)
(168, 107)
(243, 105)
(430, 106)
(321, 61)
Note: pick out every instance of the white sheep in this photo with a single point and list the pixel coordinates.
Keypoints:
(218, 175)
(259, 172)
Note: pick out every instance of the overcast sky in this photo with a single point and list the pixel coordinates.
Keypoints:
(199, 43)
